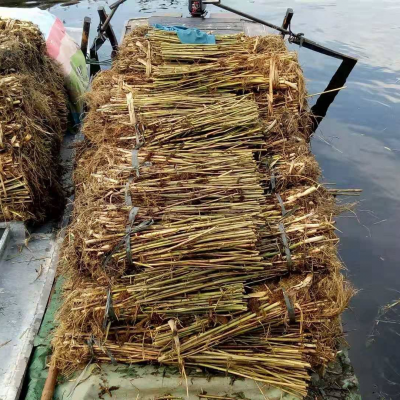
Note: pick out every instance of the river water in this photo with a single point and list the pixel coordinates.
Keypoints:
(357, 146)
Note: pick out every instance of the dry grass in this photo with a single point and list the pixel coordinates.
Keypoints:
(230, 262)
(33, 118)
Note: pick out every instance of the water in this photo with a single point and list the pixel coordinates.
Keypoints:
(357, 146)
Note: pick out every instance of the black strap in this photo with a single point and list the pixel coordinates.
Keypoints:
(135, 161)
(128, 198)
(142, 226)
(273, 181)
(139, 136)
(286, 245)
(289, 306)
(289, 213)
(278, 196)
(108, 257)
(133, 211)
(95, 341)
(109, 314)
(132, 215)
(90, 343)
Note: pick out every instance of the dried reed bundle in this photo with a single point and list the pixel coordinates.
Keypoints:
(32, 123)
(211, 337)
(23, 51)
(168, 175)
(146, 46)
(299, 230)
(284, 171)
(194, 91)
(15, 196)
(169, 120)
(199, 217)
(21, 47)
(191, 121)
(278, 71)
(164, 244)
(33, 117)
(185, 195)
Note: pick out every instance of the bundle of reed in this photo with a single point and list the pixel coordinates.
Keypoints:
(80, 351)
(229, 342)
(100, 229)
(276, 74)
(179, 192)
(283, 346)
(283, 171)
(299, 229)
(200, 241)
(32, 124)
(330, 293)
(173, 121)
(189, 105)
(258, 44)
(23, 51)
(15, 198)
(311, 330)
(109, 101)
(317, 301)
(191, 120)
(209, 180)
(198, 216)
(269, 315)
(281, 365)
(145, 47)
(258, 73)
(21, 47)
(184, 291)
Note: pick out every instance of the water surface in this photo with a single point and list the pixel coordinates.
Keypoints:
(357, 146)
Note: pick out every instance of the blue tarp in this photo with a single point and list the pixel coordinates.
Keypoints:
(188, 35)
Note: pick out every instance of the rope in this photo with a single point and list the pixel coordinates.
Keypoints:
(285, 214)
(109, 314)
(289, 306)
(92, 61)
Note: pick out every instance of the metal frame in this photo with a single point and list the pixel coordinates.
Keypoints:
(320, 108)
(287, 20)
(85, 35)
(105, 31)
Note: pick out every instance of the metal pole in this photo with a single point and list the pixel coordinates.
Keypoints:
(241, 13)
(287, 19)
(107, 28)
(116, 4)
(309, 44)
(85, 35)
(108, 19)
(320, 108)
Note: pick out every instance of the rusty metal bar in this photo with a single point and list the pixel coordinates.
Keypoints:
(106, 26)
(85, 35)
(287, 20)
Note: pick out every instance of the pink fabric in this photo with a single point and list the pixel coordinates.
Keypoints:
(55, 38)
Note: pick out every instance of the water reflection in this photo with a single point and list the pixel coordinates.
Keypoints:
(357, 145)
(337, 82)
